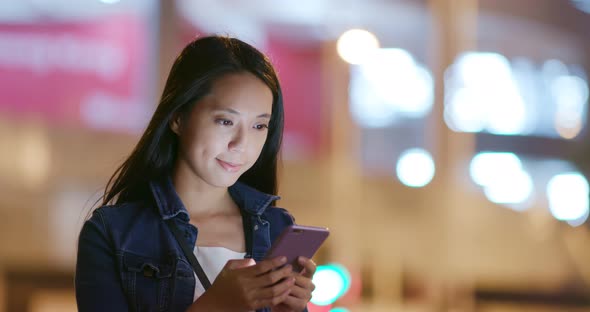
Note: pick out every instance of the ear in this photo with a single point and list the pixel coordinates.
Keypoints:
(175, 124)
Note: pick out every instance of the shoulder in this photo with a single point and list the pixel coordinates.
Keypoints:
(120, 215)
(119, 227)
(118, 211)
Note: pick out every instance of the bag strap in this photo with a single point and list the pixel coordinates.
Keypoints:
(247, 225)
(189, 254)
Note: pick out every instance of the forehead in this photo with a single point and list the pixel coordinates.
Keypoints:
(240, 91)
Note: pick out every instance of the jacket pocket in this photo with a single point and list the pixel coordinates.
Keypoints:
(147, 281)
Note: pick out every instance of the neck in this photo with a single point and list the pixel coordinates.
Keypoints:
(199, 197)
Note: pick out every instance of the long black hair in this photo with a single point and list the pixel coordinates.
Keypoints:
(196, 68)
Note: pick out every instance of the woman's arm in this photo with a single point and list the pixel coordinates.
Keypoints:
(98, 286)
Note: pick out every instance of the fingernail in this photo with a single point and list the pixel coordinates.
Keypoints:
(283, 259)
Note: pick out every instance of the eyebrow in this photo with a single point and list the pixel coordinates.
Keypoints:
(235, 112)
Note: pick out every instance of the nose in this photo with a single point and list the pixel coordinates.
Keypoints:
(239, 140)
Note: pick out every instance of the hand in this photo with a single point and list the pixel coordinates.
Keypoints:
(250, 286)
(301, 292)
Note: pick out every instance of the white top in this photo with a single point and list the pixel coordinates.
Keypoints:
(212, 259)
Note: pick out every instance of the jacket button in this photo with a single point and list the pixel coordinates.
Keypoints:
(148, 271)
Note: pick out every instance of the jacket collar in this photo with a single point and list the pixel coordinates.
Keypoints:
(249, 199)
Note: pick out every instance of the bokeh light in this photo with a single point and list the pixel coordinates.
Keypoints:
(355, 46)
(571, 95)
(484, 96)
(415, 167)
(513, 188)
(502, 177)
(485, 91)
(331, 281)
(486, 167)
(568, 197)
(389, 86)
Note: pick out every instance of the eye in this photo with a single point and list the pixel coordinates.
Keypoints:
(261, 127)
(224, 122)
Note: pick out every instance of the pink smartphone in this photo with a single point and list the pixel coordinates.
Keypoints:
(296, 241)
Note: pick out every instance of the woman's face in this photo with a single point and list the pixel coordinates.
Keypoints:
(223, 135)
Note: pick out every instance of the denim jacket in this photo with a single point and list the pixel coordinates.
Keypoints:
(129, 260)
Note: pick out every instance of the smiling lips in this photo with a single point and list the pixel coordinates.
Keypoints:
(231, 167)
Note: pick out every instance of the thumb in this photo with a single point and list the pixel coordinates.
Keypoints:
(239, 263)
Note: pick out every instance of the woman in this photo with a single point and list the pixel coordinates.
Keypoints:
(199, 179)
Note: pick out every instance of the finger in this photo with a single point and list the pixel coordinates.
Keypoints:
(277, 289)
(309, 267)
(294, 303)
(265, 266)
(275, 295)
(304, 282)
(273, 277)
(300, 292)
(239, 263)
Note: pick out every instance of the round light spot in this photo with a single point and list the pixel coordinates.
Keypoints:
(568, 196)
(356, 45)
(415, 167)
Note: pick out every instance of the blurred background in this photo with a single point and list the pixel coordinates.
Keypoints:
(443, 142)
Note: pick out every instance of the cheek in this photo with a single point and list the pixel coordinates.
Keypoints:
(206, 143)
(256, 147)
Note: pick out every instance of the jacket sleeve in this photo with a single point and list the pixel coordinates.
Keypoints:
(98, 285)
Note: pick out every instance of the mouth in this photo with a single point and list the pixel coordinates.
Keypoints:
(228, 166)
